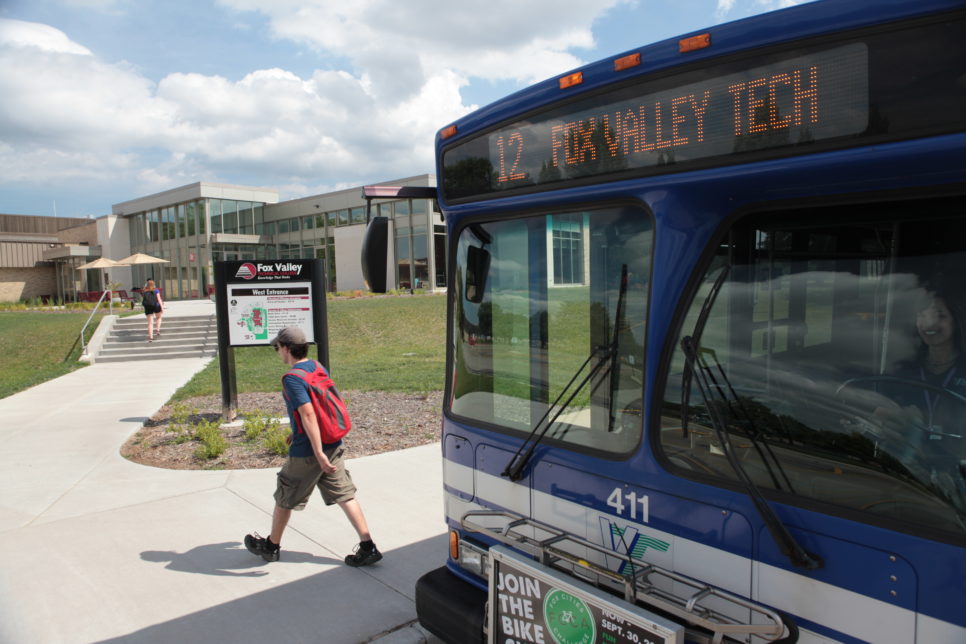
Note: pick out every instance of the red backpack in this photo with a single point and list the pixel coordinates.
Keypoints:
(330, 410)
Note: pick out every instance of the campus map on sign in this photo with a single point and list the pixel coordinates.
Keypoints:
(256, 312)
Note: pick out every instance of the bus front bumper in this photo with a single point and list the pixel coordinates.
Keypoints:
(450, 608)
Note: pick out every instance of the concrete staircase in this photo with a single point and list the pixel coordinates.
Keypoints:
(190, 336)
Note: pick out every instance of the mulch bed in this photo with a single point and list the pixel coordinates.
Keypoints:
(381, 422)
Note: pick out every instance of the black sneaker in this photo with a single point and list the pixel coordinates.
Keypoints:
(262, 547)
(363, 556)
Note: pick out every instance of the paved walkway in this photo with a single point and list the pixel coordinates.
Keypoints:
(94, 548)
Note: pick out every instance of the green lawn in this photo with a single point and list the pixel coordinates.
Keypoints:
(36, 347)
(392, 343)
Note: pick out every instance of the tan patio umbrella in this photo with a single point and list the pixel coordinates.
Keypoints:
(101, 262)
(141, 258)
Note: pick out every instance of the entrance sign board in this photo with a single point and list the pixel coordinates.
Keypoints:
(255, 299)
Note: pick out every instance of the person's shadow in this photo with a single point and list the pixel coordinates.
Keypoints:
(230, 559)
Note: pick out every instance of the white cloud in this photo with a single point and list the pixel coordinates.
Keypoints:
(68, 114)
(725, 7)
(104, 6)
(19, 33)
(418, 39)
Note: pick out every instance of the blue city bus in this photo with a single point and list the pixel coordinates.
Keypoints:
(705, 375)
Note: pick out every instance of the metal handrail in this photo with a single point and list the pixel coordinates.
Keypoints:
(91, 316)
(640, 584)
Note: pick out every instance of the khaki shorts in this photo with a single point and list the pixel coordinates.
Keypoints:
(301, 474)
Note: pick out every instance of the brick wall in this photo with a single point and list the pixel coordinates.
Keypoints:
(24, 283)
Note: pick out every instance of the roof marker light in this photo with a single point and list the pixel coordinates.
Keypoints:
(571, 79)
(626, 62)
(448, 132)
(694, 42)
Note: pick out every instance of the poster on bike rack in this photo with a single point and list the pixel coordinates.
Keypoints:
(532, 603)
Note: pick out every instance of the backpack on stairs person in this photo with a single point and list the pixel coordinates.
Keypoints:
(153, 308)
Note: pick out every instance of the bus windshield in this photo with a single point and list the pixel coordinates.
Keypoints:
(835, 349)
(535, 298)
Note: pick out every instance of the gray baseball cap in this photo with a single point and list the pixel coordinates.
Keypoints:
(289, 336)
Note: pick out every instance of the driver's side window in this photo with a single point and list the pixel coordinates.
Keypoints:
(829, 363)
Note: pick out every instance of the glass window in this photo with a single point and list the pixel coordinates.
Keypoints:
(567, 233)
(293, 224)
(137, 230)
(518, 342)
(343, 217)
(182, 221)
(258, 215)
(214, 206)
(332, 218)
(283, 226)
(420, 261)
(419, 207)
(170, 223)
(229, 212)
(831, 363)
(439, 255)
(308, 223)
(201, 217)
(401, 208)
(246, 218)
(191, 213)
(154, 231)
(404, 276)
(330, 266)
(358, 215)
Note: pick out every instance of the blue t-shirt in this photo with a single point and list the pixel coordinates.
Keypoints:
(296, 395)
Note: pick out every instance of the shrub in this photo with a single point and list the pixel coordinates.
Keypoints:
(179, 424)
(275, 440)
(213, 442)
(254, 424)
(257, 424)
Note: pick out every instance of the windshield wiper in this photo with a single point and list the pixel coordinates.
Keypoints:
(704, 378)
(614, 363)
(606, 357)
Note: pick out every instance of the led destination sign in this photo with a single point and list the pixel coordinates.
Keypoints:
(803, 99)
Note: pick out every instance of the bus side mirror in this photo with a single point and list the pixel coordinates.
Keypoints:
(477, 268)
(375, 246)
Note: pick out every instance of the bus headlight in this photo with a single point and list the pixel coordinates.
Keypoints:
(474, 559)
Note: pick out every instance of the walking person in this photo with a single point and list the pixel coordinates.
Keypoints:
(153, 308)
(311, 463)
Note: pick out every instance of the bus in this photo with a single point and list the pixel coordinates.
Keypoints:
(705, 377)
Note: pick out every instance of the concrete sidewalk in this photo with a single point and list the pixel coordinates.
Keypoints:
(98, 549)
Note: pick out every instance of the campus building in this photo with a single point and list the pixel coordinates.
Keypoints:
(38, 256)
(193, 226)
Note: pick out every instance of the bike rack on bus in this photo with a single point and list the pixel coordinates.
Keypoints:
(641, 585)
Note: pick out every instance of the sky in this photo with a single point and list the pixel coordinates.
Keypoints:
(103, 101)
